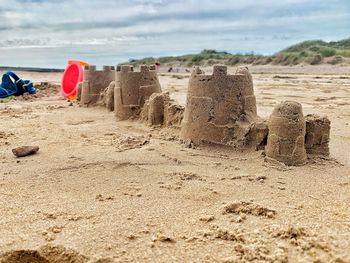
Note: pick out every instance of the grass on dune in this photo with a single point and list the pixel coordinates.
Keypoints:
(311, 52)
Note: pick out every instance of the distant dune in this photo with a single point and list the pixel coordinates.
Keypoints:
(313, 52)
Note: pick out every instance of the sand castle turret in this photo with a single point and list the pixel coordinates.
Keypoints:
(249, 100)
(160, 110)
(94, 82)
(317, 134)
(132, 89)
(220, 108)
(107, 97)
(285, 142)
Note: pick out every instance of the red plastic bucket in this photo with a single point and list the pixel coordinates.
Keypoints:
(72, 76)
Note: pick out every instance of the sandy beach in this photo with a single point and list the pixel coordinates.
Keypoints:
(100, 190)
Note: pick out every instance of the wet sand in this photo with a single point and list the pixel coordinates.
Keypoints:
(125, 192)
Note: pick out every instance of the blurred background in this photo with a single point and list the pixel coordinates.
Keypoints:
(46, 33)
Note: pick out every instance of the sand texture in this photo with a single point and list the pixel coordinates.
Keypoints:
(106, 191)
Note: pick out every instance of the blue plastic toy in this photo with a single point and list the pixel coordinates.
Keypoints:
(12, 85)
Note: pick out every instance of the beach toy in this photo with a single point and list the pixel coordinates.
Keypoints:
(72, 76)
(81, 63)
(12, 85)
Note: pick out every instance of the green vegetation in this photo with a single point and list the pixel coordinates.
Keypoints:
(312, 52)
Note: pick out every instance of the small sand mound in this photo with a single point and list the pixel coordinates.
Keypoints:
(292, 233)
(131, 142)
(302, 238)
(23, 256)
(59, 254)
(256, 253)
(187, 176)
(160, 237)
(227, 235)
(248, 208)
(305, 240)
(46, 254)
(45, 89)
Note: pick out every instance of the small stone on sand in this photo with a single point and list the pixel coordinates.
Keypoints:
(25, 150)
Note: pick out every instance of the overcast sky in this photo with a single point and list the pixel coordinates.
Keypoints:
(45, 33)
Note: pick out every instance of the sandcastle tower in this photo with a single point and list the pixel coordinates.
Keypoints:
(317, 134)
(285, 142)
(160, 110)
(220, 108)
(249, 100)
(94, 82)
(132, 89)
(107, 97)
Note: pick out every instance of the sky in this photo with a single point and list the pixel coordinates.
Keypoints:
(46, 33)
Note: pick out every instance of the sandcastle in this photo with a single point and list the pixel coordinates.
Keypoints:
(132, 89)
(94, 82)
(220, 108)
(138, 94)
(160, 110)
(317, 134)
(287, 129)
(291, 136)
(122, 90)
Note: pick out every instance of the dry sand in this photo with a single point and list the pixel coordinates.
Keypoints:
(105, 191)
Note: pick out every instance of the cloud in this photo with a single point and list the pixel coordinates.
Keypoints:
(157, 27)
